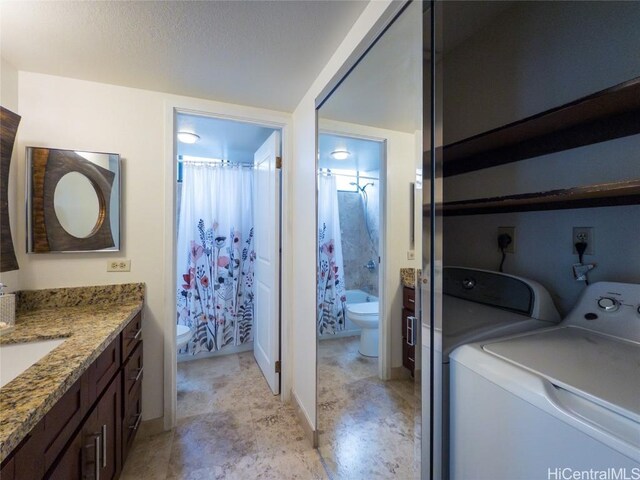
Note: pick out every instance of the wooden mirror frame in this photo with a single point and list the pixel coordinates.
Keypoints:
(44, 231)
(9, 122)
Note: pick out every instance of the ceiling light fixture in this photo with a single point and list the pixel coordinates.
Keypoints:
(188, 137)
(340, 154)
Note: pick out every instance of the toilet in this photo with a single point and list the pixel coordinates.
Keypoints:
(365, 316)
(183, 335)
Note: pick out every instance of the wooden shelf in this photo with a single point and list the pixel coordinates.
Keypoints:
(605, 115)
(600, 195)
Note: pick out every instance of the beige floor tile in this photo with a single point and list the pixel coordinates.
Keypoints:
(212, 439)
(148, 458)
(367, 427)
(230, 425)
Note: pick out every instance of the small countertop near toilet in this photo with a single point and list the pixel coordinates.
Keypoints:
(408, 277)
(89, 319)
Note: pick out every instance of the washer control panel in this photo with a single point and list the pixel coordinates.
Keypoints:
(608, 307)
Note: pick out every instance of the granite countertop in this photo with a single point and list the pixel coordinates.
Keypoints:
(408, 277)
(87, 320)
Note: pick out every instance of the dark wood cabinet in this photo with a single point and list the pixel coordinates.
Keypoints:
(132, 374)
(72, 463)
(28, 461)
(105, 423)
(409, 329)
(87, 433)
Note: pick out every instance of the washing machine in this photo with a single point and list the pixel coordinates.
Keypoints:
(557, 403)
(479, 305)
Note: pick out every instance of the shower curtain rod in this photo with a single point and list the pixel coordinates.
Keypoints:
(328, 173)
(216, 162)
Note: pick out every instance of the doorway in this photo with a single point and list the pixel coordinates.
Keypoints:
(227, 248)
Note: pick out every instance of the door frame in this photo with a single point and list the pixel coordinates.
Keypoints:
(384, 328)
(257, 116)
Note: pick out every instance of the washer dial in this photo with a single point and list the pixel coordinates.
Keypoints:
(608, 304)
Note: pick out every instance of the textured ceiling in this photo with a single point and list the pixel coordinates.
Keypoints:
(260, 53)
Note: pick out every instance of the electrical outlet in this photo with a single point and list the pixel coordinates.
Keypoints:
(511, 231)
(583, 234)
(119, 265)
(411, 254)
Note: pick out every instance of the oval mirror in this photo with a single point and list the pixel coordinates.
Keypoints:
(76, 204)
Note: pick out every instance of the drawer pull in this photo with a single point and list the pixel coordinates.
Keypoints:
(411, 300)
(137, 335)
(137, 424)
(138, 375)
(104, 446)
(96, 445)
(411, 338)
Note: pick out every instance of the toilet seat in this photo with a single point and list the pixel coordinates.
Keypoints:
(183, 335)
(366, 316)
(363, 311)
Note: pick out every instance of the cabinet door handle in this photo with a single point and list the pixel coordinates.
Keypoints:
(411, 339)
(104, 446)
(137, 335)
(138, 375)
(96, 444)
(411, 300)
(137, 424)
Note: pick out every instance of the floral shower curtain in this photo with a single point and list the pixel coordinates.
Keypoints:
(331, 290)
(216, 256)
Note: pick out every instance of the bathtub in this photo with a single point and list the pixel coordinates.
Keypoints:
(359, 296)
(353, 296)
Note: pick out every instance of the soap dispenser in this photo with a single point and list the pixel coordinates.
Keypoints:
(7, 309)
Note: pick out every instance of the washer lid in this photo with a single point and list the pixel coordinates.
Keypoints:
(367, 308)
(598, 367)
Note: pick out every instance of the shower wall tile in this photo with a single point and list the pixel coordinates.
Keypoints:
(357, 248)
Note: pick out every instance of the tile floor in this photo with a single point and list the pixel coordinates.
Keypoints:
(367, 428)
(230, 426)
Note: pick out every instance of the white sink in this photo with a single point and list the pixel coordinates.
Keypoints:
(15, 358)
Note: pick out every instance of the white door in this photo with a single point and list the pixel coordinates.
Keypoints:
(266, 328)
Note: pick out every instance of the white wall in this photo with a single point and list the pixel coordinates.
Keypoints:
(303, 214)
(73, 114)
(537, 56)
(9, 100)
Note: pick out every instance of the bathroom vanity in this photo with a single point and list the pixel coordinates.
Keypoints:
(409, 326)
(75, 412)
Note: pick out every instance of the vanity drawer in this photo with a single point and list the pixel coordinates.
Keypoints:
(409, 298)
(63, 419)
(131, 420)
(133, 372)
(103, 370)
(131, 336)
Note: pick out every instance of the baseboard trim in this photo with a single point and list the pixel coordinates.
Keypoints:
(305, 421)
